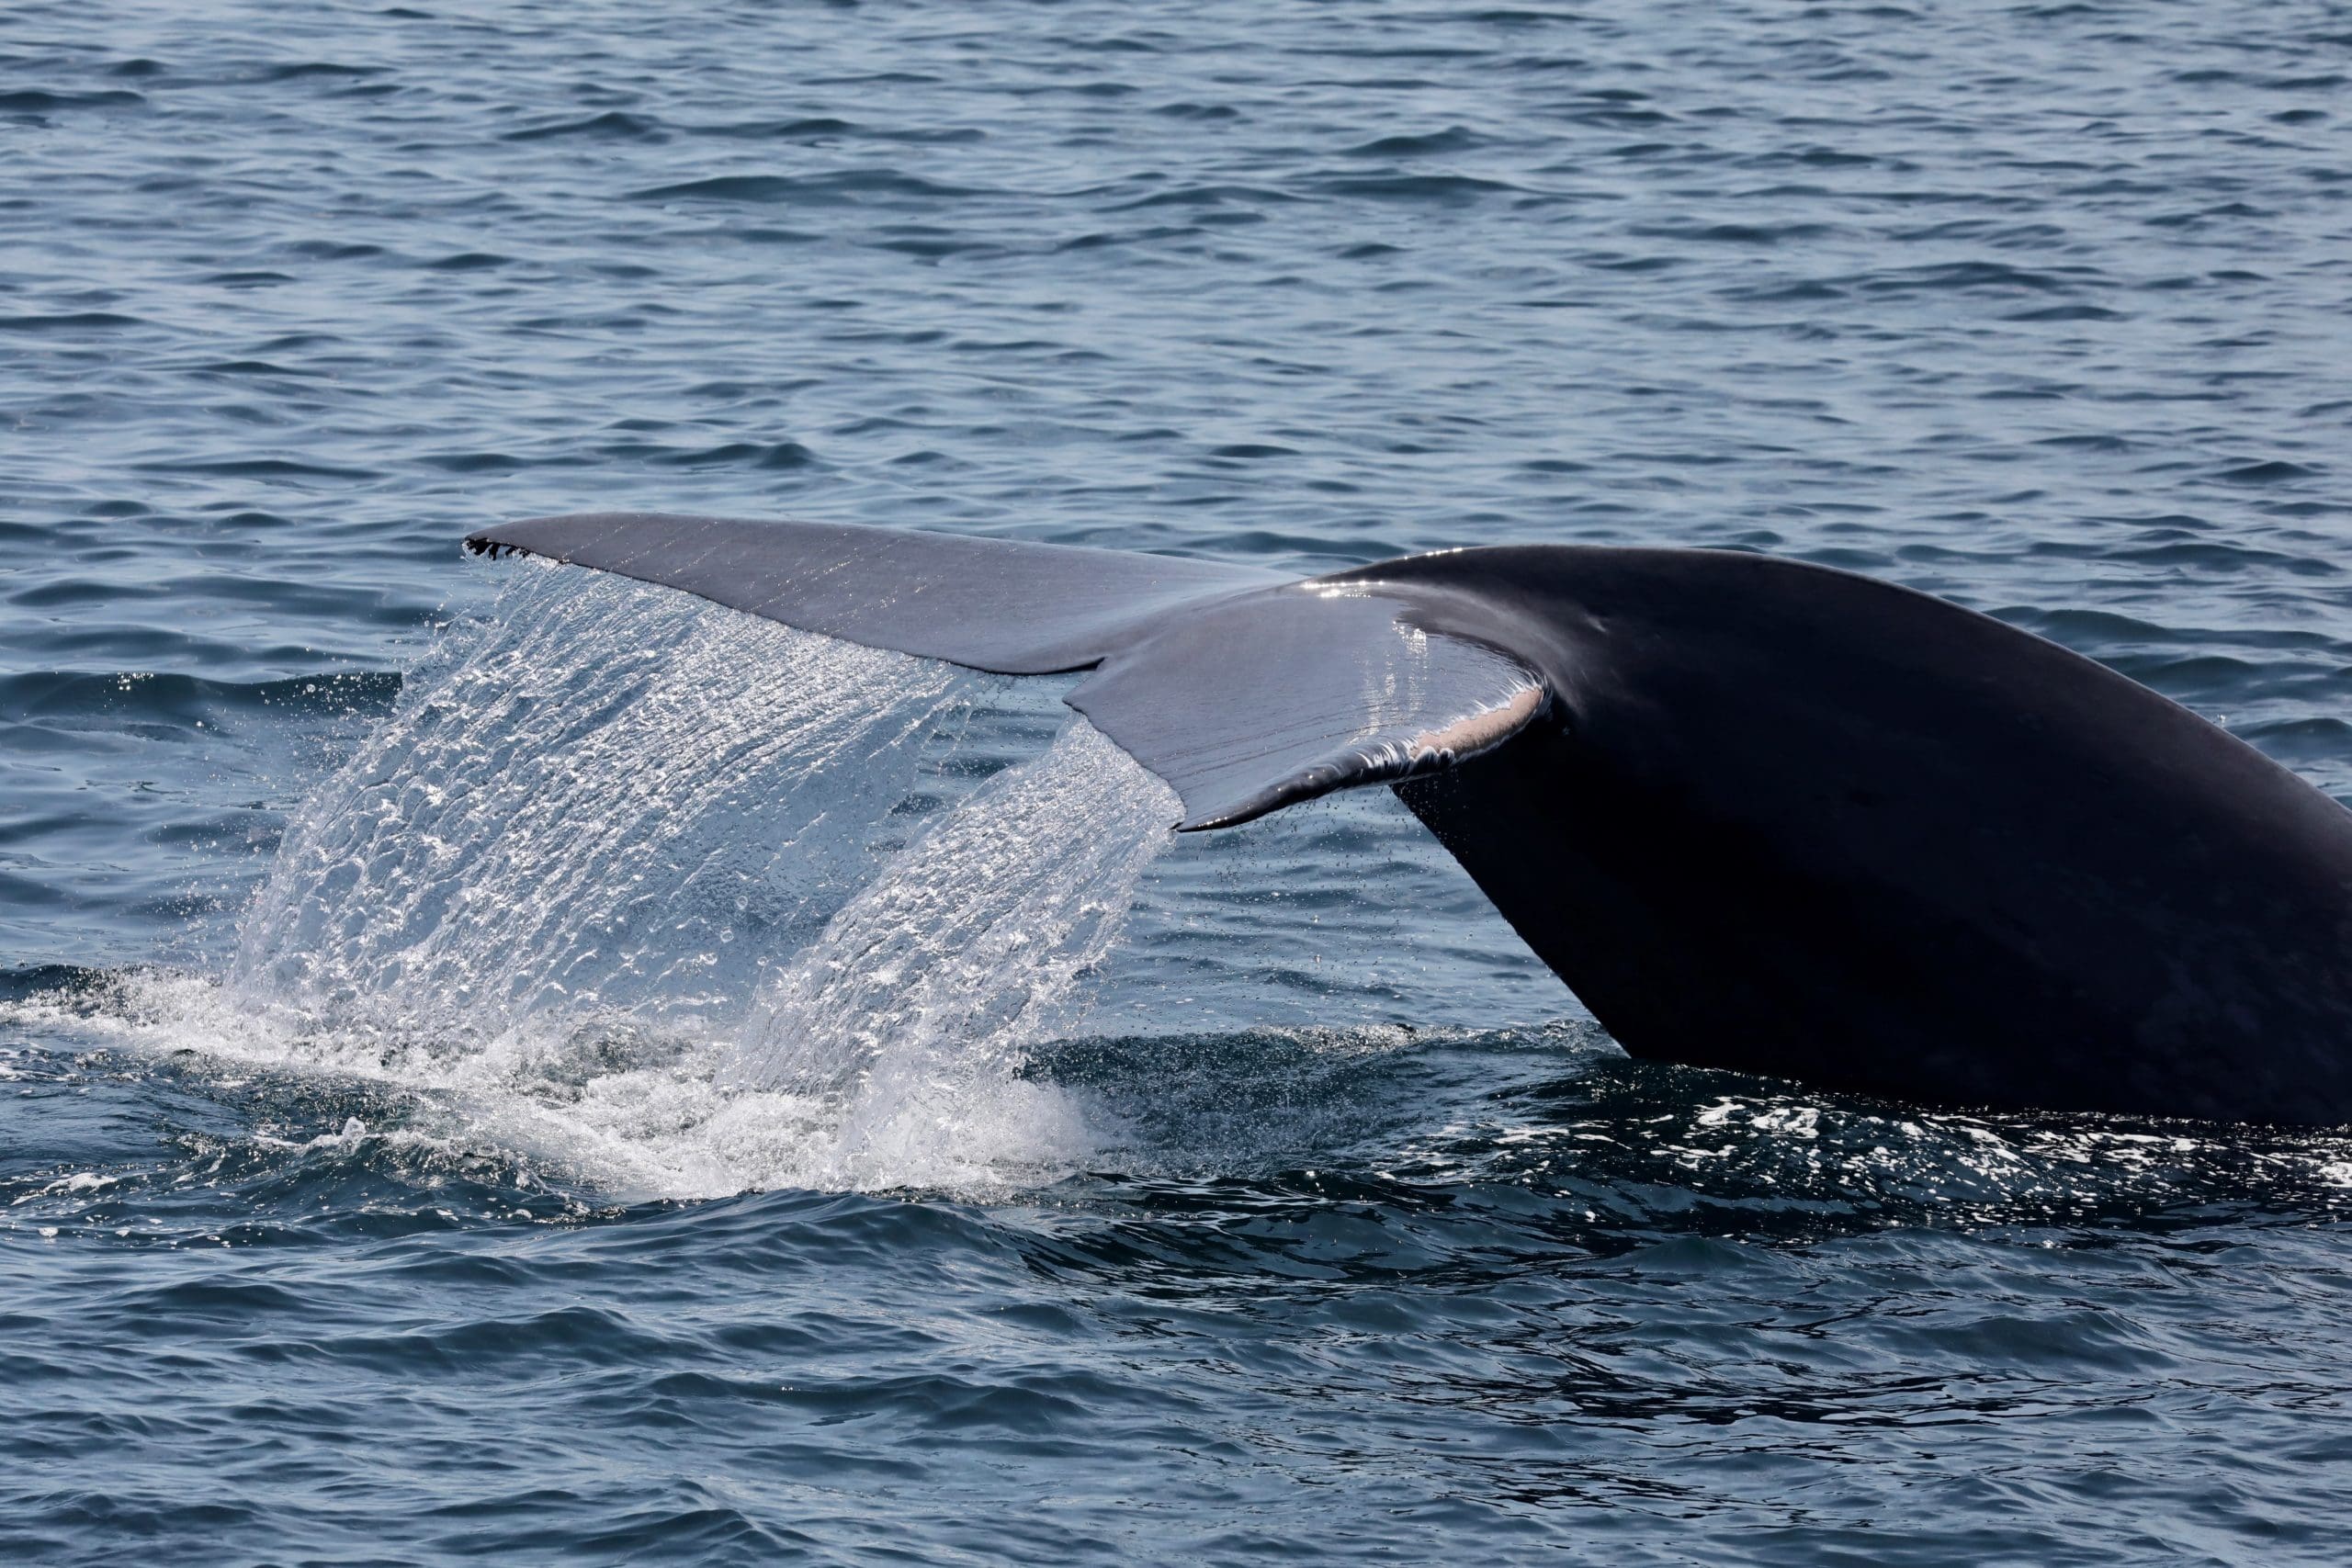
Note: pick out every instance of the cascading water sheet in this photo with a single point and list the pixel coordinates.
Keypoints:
(573, 896)
(606, 796)
(914, 1008)
(888, 1052)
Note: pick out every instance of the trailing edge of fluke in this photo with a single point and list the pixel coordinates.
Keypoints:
(1757, 815)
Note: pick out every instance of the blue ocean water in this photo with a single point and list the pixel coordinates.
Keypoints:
(499, 1064)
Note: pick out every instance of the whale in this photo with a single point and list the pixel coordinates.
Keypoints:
(1758, 814)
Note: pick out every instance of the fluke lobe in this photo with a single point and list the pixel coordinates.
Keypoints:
(1758, 814)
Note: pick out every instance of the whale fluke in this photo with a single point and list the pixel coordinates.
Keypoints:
(1758, 814)
(1246, 692)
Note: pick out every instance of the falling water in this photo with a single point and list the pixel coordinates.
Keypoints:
(932, 983)
(609, 797)
(603, 888)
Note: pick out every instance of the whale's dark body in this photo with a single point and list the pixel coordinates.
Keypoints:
(1757, 815)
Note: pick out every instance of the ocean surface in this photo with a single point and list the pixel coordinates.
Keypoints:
(501, 1065)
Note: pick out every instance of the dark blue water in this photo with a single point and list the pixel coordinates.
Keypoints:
(501, 1066)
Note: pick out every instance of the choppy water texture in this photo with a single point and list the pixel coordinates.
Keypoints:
(495, 1064)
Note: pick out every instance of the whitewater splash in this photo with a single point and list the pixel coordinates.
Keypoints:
(602, 890)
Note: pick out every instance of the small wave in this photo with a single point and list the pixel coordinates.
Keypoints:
(1224, 195)
(255, 368)
(808, 190)
(69, 321)
(39, 694)
(1797, 1164)
(310, 69)
(253, 468)
(2067, 314)
(324, 250)
(1453, 139)
(1187, 109)
(612, 124)
(1735, 233)
(1439, 188)
(1968, 277)
(469, 261)
(35, 100)
(774, 455)
(2275, 471)
(476, 462)
(1551, 1135)
(826, 128)
(250, 278)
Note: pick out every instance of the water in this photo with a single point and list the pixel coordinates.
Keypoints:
(496, 1064)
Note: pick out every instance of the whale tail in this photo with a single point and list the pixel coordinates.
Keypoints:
(1757, 813)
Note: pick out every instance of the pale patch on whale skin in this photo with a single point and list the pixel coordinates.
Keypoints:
(1474, 733)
